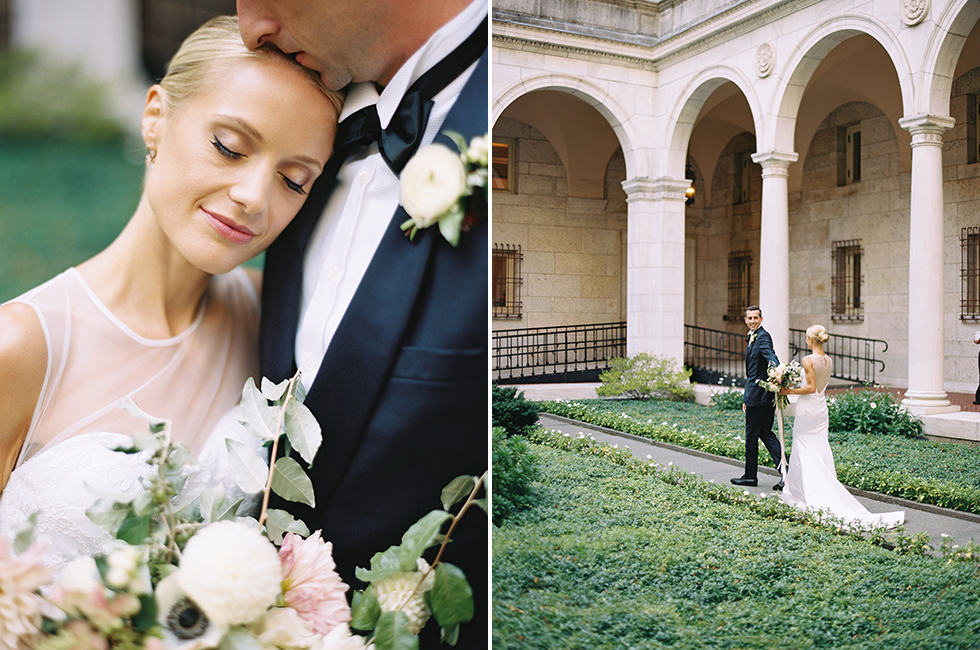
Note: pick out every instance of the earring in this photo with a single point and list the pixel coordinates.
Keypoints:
(151, 157)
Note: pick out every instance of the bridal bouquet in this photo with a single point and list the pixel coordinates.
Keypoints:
(187, 572)
(779, 377)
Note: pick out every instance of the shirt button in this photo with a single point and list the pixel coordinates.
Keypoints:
(362, 179)
(308, 363)
(331, 273)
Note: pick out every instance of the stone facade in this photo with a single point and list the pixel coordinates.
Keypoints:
(697, 88)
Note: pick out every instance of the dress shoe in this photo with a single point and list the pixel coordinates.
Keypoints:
(745, 482)
(778, 487)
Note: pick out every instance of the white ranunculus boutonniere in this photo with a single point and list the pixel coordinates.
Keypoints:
(441, 186)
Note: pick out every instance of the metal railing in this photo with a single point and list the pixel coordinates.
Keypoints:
(716, 354)
(570, 353)
(581, 352)
(855, 358)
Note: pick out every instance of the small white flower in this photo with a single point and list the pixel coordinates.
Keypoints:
(746, 493)
(405, 591)
(231, 571)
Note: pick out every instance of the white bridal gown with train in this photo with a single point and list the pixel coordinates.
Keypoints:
(95, 362)
(811, 482)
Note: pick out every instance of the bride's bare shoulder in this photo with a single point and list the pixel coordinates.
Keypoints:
(23, 365)
(23, 356)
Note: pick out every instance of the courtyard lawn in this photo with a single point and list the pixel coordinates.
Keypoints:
(612, 557)
(942, 474)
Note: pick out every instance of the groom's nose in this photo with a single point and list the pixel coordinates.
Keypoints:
(257, 24)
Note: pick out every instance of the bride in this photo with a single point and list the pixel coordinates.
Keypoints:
(811, 482)
(163, 316)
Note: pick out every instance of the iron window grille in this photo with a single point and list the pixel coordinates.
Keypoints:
(846, 280)
(506, 286)
(739, 284)
(970, 273)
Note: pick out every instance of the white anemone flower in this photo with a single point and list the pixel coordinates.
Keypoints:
(231, 571)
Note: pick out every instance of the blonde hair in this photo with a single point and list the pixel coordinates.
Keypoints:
(818, 333)
(218, 41)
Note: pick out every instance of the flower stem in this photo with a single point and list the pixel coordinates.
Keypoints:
(267, 490)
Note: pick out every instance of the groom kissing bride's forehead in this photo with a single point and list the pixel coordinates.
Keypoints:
(388, 331)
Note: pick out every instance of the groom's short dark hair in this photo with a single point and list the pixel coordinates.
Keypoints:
(753, 308)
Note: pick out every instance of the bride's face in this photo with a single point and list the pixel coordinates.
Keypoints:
(234, 162)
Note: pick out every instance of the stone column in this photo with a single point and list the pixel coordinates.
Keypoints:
(927, 311)
(655, 266)
(774, 247)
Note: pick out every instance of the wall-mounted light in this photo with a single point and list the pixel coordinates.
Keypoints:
(689, 192)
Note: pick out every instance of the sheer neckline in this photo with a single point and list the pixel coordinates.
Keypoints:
(126, 329)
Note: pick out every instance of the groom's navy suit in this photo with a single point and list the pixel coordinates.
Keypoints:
(759, 403)
(402, 392)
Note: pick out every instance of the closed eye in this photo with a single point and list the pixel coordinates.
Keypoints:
(225, 151)
(292, 185)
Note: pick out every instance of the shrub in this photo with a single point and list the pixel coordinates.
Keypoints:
(512, 411)
(728, 400)
(515, 468)
(871, 412)
(644, 376)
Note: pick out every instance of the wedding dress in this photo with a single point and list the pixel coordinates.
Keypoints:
(811, 482)
(95, 362)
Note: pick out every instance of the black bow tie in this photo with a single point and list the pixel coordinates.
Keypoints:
(401, 139)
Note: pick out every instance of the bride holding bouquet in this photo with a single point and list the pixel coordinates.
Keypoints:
(811, 482)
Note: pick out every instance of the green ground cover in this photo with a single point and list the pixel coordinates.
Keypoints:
(613, 555)
(943, 474)
(60, 203)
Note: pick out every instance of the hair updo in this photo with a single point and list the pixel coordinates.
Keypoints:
(220, 41)
(818, 333)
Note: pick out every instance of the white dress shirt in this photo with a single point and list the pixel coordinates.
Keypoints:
(366, 197)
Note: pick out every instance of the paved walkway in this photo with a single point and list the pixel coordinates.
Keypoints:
(962, 527)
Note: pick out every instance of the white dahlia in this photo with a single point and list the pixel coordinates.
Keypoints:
(405, 591)
(20, 605)
(231, 571)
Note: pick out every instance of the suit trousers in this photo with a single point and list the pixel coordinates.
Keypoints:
(758, 426)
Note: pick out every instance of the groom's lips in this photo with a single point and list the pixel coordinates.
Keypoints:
(228, 229)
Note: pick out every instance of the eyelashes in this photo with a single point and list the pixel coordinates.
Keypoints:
(234, 155)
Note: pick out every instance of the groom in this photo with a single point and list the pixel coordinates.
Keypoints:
(758, 403)
(390, 333)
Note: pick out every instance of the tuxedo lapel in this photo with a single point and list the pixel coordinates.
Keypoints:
(366, 345)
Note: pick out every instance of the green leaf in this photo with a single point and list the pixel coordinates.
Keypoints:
(364, 610)
(190, 511)
(392, 633)
(449, 635)
(451, 598)
(271, 391)
(212, 500)
(302, 430)
(280, 522)
(451, 224)
(107, 516)
(24, 536)
(299, 393)
(260, 420)
(239, 639)
(482, 503)
(137, 412)
(420, 536)
(134, 529)
(250, 471)
(383, 564)
(291, 483)
(457, 490)
(146, 618)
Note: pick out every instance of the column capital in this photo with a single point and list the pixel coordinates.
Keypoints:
(775, 163)
(927, 129)
(656, 189)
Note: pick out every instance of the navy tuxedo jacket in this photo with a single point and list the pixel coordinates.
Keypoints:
(759, 355)
(402, 393)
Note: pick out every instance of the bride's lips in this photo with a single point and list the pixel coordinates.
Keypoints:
(228, 229)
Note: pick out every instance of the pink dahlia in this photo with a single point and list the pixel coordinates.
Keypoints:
(311, 584)
(21, 605)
